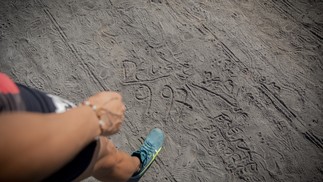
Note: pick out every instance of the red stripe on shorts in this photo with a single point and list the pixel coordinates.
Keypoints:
(7, 86)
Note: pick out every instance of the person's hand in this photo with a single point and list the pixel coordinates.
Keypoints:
(110, 109)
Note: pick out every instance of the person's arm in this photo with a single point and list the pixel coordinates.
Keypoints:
(32, 146)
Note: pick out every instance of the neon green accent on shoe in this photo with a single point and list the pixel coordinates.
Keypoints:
(149, 150)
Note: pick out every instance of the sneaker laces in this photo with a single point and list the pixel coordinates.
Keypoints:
(145, 150)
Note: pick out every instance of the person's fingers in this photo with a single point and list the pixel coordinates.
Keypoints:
(111, 110)
(106, 96)
(112, 124)
(112, 95)
(116, 106)
(123, 108)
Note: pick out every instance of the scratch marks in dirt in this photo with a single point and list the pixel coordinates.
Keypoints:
(208, 100)
(230, 82)
(308, 23)
(133, 75)
(227, 137)
(72, 48)
(295, 122)
(227, 99)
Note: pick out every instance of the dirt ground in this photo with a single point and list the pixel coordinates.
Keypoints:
(237, 85)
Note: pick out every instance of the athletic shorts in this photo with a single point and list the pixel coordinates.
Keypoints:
(17, 97)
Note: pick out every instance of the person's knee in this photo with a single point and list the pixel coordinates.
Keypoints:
(108, 157)
(107, 163)
(114, 165)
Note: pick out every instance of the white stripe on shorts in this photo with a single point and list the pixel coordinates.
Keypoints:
(61, 104)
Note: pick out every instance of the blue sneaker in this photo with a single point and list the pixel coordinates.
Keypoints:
(149, 151)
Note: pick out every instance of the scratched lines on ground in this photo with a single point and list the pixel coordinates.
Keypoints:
(227, 138)
(72, 47)
(295, 121)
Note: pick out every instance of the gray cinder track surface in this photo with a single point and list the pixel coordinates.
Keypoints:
(236, 85)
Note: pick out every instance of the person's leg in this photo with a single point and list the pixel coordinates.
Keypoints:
(115, 165)
(110, 164)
